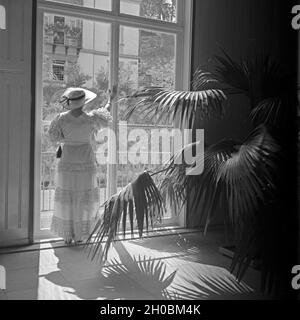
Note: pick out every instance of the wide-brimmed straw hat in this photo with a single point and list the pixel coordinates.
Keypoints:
(74, 98)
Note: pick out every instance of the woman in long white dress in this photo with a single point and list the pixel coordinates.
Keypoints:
(76, 199)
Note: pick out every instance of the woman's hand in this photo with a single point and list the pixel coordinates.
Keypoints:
(111, 94)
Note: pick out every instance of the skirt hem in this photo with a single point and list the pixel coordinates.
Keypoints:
(68, 229)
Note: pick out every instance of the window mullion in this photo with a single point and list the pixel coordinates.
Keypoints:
(180, 11)
(178, 61)
(116, 7)
(114, 75)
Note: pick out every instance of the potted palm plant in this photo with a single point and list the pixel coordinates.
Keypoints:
(244, 177)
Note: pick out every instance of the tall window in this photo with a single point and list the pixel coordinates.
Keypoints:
(95, 44)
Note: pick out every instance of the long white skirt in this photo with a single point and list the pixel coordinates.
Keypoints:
(77, 195)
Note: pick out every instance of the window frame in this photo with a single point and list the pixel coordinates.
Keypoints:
(183, 31)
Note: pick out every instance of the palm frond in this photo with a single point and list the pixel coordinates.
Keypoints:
(182, 179)
(161, 104)
(178, 175)
(247, 173)
(267, 111)
(276, 113)
(231, 73)
(259, 77)
(236, 174)
(203, 80)
(246, 180)
(238, 177)
(140, 200)
(172, 192)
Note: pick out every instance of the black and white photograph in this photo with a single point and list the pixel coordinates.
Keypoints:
(149, 153)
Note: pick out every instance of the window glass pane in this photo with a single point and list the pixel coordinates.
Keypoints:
(75, 53)
(165, 10)
(2, 18)
(147, 58)
(98, 4)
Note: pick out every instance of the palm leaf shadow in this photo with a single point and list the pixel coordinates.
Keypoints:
(212, 287)
(181, 247)
(151, 276)
(145, 276)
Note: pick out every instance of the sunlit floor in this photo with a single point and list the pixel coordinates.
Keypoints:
(175, 265)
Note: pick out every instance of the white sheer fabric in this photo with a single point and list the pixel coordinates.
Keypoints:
(77, 194)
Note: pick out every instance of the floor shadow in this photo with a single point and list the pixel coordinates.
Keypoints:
(193, 247)
(135, 277)
(213, 287)
(123, 278)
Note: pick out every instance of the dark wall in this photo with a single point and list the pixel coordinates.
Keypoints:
(239, 27)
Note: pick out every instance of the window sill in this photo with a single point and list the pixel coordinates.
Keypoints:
(50, 243)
